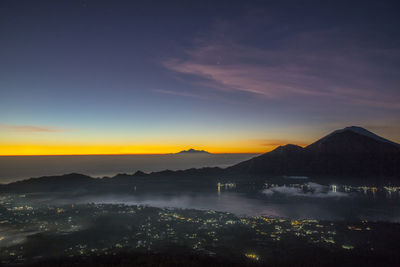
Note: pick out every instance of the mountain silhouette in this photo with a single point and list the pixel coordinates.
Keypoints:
(349, 152)
(193, 151)
(66, 182)
(352, 151)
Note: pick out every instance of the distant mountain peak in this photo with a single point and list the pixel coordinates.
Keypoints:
(193, 151)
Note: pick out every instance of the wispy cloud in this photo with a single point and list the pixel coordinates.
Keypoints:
(314, 191)
(30, 128)
(305, 65)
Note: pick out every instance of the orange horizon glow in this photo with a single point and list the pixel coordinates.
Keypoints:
(126, 154)
(67, 150)
(16, 143)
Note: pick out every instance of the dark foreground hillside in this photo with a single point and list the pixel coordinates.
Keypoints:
(136, 235)
(314, 257)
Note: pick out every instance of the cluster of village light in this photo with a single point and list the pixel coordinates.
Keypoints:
(389, 191)
(149, 228)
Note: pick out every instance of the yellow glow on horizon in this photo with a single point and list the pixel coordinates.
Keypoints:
(15, 142)
(39, 149)
(91, 144)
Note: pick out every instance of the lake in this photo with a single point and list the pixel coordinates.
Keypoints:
(291, 201)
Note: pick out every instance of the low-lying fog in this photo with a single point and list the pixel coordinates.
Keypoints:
(319, 203)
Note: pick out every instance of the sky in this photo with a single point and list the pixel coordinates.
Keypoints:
(127, 77)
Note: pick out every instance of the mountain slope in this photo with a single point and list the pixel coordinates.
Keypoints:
(279, 161)
(352, 151)
(362, 131)
(67, 182)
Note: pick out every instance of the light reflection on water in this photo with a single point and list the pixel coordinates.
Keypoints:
(344, 206)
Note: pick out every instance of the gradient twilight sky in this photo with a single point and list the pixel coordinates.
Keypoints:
(112, 77)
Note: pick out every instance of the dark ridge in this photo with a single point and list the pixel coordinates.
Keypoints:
(67, 182)
(349, 152)
(139, 173)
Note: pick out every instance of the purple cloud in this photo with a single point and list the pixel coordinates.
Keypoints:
(321, 66)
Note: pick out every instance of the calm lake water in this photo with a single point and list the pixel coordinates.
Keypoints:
(22, 167)
(282, 202)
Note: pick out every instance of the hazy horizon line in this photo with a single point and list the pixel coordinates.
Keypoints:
(127, 154)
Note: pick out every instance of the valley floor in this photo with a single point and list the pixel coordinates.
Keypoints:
(125, 235)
